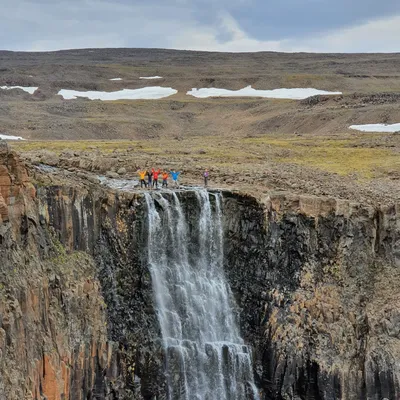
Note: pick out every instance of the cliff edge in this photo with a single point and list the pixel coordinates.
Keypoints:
(315, 280)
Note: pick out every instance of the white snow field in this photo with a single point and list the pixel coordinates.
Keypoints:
(293, 94)
(10, 137)
(146, 93)
(150, 77)
(116, 79)
(376, 128)
(28, 89)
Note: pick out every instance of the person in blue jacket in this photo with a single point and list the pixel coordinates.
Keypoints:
(175, 176)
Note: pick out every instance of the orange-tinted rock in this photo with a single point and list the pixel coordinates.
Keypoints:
(50, 383)
(14, 185)
(3, 210)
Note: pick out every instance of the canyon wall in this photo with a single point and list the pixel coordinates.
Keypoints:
(317, 286)
(316, 283)
(54, 333)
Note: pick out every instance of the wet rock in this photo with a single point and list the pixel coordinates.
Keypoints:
(89, 177)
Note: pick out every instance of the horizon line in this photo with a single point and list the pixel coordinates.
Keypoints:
(192, 51)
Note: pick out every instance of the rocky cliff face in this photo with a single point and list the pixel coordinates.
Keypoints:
(315, 282)
(53, 332)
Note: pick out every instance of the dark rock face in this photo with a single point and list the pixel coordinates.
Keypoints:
(111, 229)
(316, 282)
(120, 255)
(53, 331)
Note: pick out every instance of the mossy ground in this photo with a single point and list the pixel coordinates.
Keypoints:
(342, 156)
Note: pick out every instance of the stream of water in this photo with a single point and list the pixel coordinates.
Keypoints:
(206, 358)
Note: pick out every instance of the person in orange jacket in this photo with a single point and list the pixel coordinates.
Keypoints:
(142, 175)
(165, 179)
(155, 177)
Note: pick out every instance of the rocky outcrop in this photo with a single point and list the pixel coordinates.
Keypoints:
(14, 183)
(53, 326)
(315, 281)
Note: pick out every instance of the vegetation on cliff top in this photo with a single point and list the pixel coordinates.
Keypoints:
(344, 156)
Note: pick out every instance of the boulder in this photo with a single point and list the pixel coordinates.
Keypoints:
(49, 158)
(112, 174)
(89, 177)
(122, 171)
(68, 153)
(93, 179)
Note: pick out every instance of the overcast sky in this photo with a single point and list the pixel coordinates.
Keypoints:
(222, 25)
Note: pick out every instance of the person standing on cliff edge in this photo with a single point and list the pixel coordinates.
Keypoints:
(142, 175)
(175, 176)
(149, 175)
(155, 177)
(206, 174)
(165, 179)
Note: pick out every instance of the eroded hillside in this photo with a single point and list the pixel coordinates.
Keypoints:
(370, 84)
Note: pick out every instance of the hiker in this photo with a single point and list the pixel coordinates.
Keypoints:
(175, 176)
(165, 179)
(155, 176)
(142, 175)
(149, 178)
(206, 175)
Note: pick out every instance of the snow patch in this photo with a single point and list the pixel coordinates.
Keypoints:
(10, 137)
(376, 128)
(146, 93)
(116, 79)
(28, 89)
(293, 94)
(150, 77)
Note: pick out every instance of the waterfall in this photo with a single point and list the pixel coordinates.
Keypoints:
(206, 358)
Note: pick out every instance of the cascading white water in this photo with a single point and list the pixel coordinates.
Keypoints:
(205, 355)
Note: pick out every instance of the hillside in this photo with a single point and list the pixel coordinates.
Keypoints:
(303, 146)
(46, 116)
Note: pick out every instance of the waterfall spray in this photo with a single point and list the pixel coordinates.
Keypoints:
(206, 358)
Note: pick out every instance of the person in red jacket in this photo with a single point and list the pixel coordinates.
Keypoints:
(155, 177)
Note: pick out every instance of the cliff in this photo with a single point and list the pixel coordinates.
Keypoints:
(315, 280)
(53, 335)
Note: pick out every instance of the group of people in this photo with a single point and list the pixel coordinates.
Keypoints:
(149, 178)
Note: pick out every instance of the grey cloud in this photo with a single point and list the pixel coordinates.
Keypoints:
(28, 23)
(53, 24)
(278, 19)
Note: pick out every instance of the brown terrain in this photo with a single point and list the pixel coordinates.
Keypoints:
(257, 145)
(315, 277)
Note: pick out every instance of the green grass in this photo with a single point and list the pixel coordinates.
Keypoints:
(340, 156)
(79, 145)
